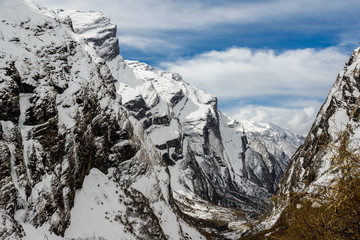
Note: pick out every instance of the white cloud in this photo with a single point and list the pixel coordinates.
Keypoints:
(242, 72)
(144, 43)
(298, 120)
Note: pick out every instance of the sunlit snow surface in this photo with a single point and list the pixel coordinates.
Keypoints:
(96, 207)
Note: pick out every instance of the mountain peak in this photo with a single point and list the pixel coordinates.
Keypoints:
(97, 29)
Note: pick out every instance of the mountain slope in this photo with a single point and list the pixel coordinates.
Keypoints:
(310, 166)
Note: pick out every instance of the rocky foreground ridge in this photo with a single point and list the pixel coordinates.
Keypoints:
(339, 113)
(92, 145)
(313, 167)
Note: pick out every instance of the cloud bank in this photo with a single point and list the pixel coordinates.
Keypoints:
(242, 72)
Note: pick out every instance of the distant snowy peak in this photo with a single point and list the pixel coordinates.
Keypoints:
(271, 130)
(266, 127)
(280, 142)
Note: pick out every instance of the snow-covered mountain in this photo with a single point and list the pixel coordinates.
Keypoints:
(95, 146)
(73, 161)
(208, 154)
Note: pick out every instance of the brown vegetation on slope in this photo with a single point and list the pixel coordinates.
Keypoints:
(330, 212)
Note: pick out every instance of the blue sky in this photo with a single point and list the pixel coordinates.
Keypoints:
(265, 60)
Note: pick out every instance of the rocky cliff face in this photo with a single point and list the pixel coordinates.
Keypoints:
(95, 146)
(208, 154)
(275, 146)
(310, 165)
(96, 29)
